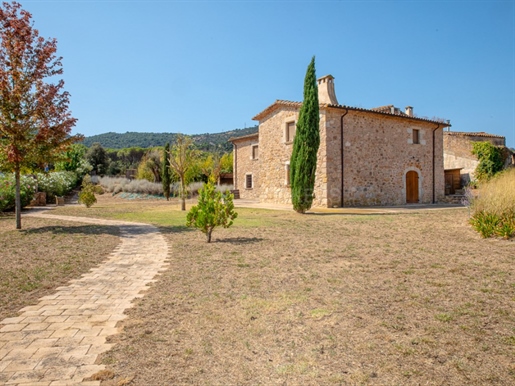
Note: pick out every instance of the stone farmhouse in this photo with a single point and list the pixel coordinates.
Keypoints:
(378, 156)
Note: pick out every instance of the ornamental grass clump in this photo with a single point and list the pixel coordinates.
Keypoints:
(493, 209)
(117, 185)
(213, 209)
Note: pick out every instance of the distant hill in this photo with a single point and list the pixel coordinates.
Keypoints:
(207, 141)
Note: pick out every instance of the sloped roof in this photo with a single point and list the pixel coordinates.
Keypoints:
(472, 134)
(383, 110)
(243, 137)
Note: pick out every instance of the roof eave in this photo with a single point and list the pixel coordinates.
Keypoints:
(243, 137)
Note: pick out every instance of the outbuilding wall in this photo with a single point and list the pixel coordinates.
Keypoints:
(244, 164)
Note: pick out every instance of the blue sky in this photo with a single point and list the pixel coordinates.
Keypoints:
(210, 66)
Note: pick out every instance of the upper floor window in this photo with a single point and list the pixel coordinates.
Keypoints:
(290, 131)
(416, 136)
(255, 151)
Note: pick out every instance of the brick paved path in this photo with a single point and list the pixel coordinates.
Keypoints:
(57, 341)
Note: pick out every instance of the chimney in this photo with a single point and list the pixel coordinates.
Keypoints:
(326, 90)
(409, 111)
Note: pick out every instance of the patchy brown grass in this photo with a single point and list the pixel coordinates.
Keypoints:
(44, 255)
(282, 298)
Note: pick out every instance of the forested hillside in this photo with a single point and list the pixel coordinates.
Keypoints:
(207, 141)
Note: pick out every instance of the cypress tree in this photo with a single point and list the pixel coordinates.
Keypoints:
(303, 160)
(166, 178)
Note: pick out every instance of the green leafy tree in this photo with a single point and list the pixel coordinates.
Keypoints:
(35, 122)
(490, 160)
(213, 209)
(182, 158)
(303, 160)
(97, 157)
(166, 177)
(150, 166)
(74, 160)
(210, 166)
(226, 163)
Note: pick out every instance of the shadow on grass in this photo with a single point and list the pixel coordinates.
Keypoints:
(175, 229)
(239, 240)
(74, 229)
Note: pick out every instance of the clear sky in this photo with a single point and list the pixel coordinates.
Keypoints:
(210, 66)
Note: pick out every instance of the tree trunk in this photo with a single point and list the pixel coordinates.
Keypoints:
(208, 234)
(18, 199)
(183, 194)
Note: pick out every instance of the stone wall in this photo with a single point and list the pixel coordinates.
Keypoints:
(244, 164)
(458, 151)
(275, 155)
(378, 152)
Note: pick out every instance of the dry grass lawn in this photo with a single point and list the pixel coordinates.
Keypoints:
(44, 255)
(319, 299)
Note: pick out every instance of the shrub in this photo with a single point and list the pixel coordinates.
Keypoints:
(87, 194)
(493, 209)
(8, 191)
(56, 183)
(213, 209)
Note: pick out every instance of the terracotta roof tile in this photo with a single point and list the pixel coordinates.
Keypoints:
(243, 137)
(384, 110)
(472, 134)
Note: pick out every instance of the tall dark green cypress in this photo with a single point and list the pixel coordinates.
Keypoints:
(303, 162)
(166, 177)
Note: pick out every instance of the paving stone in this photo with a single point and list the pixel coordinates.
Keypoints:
(57, 341)
(47, 352)
(22, 365)
(17, 319)
(38, 343)
(13, 327)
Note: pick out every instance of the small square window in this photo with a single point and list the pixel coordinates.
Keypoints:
(416, 136)
(290, 131)
(248, 181)
(255, 152)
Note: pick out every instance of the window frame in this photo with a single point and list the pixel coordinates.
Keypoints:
(415, 136)
(287, 132)
(247, 175)
(253, 156)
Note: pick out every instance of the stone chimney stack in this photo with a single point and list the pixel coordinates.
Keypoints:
(326, 92)
(409, 111)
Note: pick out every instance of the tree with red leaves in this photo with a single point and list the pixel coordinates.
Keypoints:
(35, 123)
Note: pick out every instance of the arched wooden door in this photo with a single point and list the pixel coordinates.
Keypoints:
(411, 187)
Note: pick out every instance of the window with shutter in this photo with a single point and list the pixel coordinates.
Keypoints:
(416, 136)
(290, 131)
(248, 181)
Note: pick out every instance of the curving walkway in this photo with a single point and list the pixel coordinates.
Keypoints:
(57, 341)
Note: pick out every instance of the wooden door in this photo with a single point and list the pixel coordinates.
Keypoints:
(449, 184)
(411, 187)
